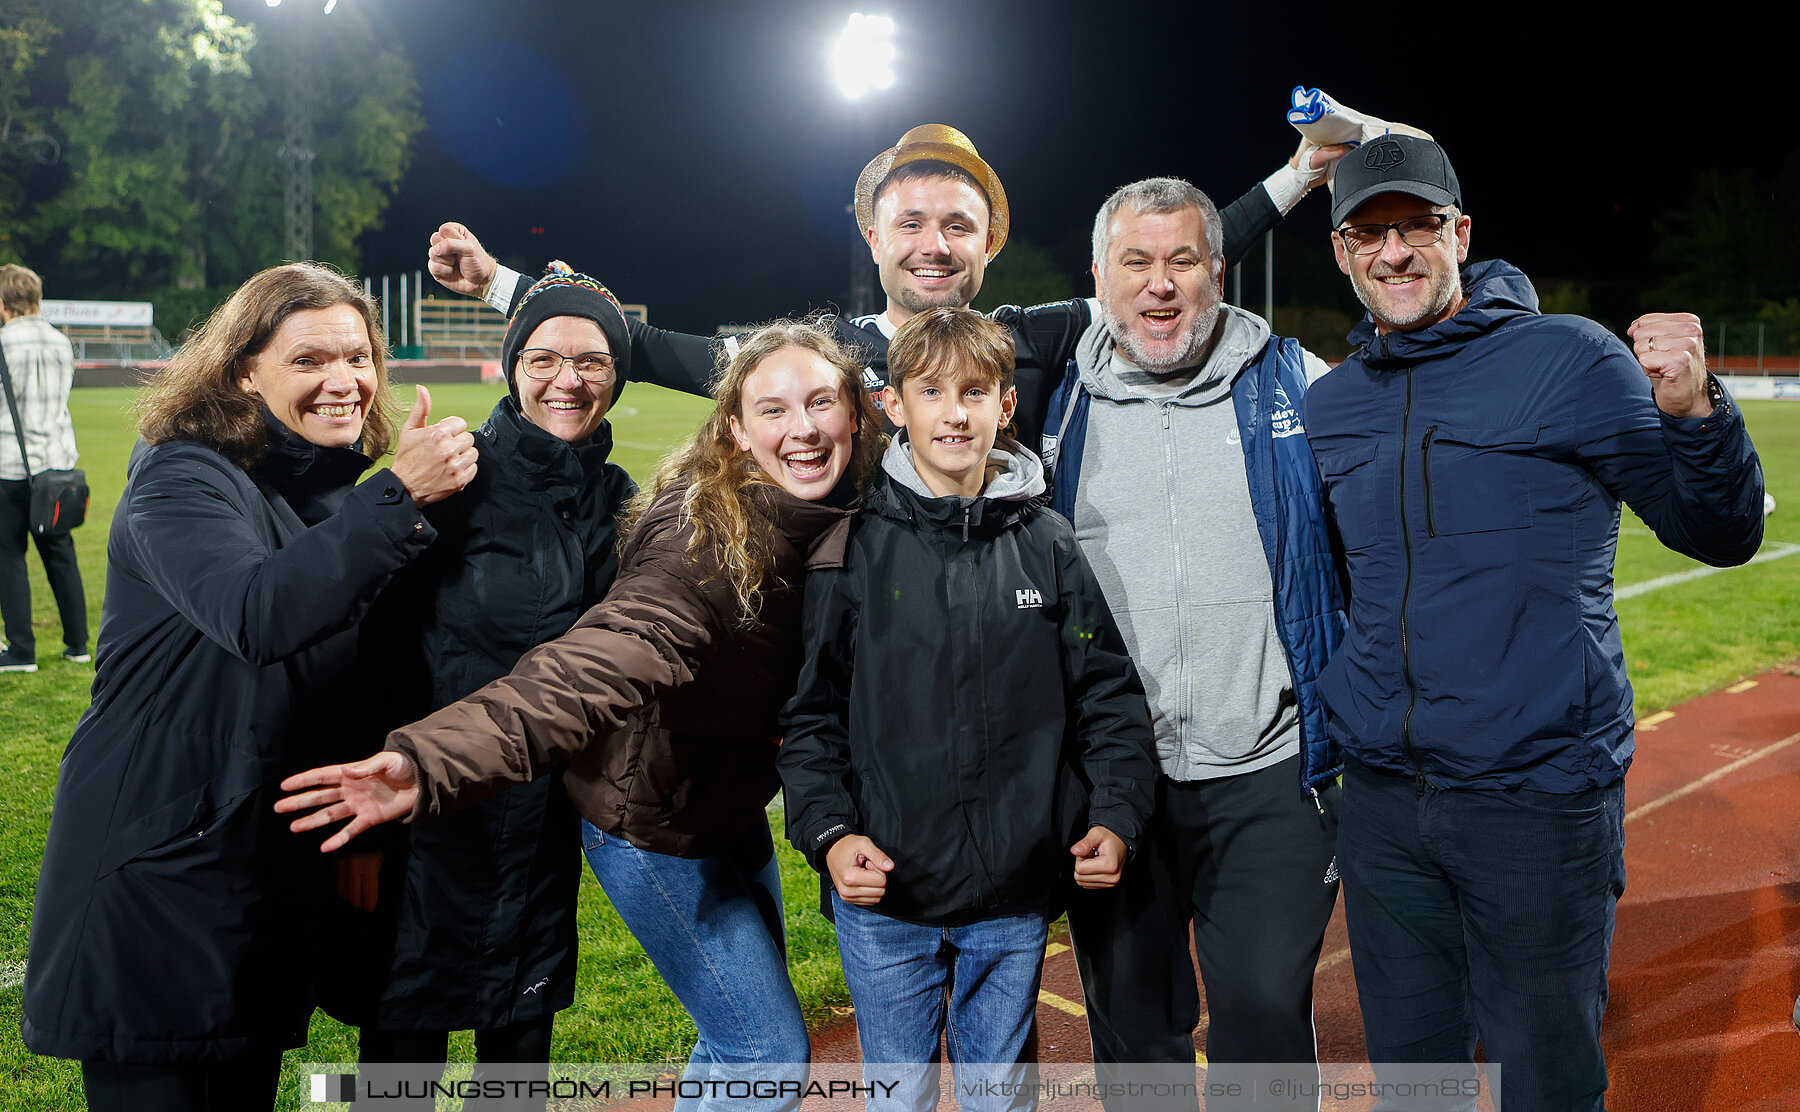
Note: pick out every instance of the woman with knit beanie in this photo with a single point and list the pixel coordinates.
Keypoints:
(466, 920)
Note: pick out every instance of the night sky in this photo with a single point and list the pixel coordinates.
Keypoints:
(696, 157)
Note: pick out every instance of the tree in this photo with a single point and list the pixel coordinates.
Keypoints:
(24, 38)
(1022, 274)
(1731, 248)
(168, 116)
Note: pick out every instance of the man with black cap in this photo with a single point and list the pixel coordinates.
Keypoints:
(1474, 453)
(934, 215)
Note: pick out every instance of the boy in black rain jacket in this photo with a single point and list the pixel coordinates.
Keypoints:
(967, 720)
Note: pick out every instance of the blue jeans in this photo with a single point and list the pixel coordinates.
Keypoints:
(1484, 915)
(712, 925)
(975, 985)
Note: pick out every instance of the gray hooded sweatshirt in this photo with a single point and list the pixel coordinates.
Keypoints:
(1162, 512)
(1012, 471)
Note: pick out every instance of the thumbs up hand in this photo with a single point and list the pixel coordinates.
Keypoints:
(433, 461)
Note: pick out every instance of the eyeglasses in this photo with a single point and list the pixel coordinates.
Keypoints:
(590, 366)
(1420, 231)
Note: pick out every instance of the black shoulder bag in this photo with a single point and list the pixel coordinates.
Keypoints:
(59, 499)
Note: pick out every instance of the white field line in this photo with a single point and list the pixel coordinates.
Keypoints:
(1715, 775)
(12, 974)
(1774, 552)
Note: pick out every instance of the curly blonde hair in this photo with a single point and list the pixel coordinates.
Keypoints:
(197, 397)
(719, 476)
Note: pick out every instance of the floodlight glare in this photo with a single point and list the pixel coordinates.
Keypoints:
(863, 57)
(329, 5)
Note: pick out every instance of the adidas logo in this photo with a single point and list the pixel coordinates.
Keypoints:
(1331, 872)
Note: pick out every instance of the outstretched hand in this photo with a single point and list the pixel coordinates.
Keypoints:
(1099, 858)
(380, 789)
(433, 461)
(458, 261)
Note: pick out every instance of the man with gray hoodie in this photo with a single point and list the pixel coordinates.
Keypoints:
(1180, 457)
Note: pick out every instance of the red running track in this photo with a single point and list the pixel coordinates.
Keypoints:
(1706, 957)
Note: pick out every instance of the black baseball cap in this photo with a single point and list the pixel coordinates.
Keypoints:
(1394, 164)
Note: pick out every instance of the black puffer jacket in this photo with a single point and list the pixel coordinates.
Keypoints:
(966, 701)
(475, 924)
(176, 917)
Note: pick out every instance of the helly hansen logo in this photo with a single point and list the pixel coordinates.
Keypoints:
(1029, 598)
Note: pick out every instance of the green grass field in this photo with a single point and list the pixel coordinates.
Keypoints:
(1680, 642)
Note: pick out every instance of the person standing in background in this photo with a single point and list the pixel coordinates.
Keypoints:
(42, 366)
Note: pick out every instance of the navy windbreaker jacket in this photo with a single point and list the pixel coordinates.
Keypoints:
(1475, 470)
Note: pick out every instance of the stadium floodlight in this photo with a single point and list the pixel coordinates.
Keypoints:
(863, 56)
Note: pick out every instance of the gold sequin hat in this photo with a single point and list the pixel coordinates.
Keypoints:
(938, 143)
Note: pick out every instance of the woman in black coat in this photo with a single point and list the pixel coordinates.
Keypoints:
(473, 923)
(173, 947)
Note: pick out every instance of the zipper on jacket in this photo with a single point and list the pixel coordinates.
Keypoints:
(1425, 469)
(1180, 592)
(966, 507)
(1412, 686)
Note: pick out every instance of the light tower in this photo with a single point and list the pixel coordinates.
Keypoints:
(296, 134)
(862, 60)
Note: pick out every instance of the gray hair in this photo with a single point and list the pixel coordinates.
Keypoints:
(1159, 195)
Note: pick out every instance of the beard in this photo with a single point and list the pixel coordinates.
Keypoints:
(1441, 289)
(916, 301)
(1185, 349)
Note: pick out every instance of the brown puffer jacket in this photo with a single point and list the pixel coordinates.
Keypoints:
(662, 703)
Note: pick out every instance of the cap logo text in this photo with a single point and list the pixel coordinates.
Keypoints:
(1384, 157)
